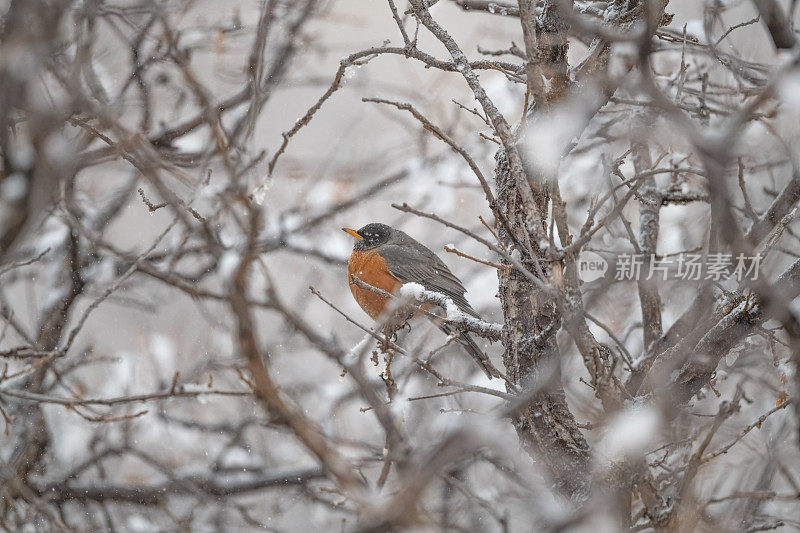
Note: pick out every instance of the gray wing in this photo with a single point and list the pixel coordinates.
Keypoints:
(410, 261)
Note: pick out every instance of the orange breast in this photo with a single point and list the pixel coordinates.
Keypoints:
(370, 268)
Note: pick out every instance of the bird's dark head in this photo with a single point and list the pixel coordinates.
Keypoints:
(370, 236)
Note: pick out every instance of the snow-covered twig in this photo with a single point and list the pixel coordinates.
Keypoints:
(454, 316)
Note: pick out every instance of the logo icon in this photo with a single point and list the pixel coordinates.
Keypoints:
(591, 266)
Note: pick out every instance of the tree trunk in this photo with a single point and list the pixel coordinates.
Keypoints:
(546, 427)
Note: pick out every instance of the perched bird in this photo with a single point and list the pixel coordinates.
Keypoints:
(387, 258)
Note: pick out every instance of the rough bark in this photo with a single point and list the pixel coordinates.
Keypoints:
(546, 427)
(649, 207)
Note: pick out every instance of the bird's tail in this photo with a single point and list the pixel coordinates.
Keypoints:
(473, 350)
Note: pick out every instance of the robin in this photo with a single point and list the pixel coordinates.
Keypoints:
(386, 258)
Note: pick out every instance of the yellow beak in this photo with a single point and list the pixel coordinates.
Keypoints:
(353, 233)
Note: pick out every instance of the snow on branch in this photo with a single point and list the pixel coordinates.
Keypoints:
(454, 316)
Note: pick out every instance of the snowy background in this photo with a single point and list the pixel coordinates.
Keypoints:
(148, 337)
